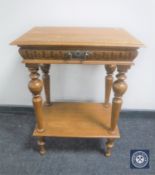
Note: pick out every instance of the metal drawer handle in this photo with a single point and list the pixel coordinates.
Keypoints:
(78, 54)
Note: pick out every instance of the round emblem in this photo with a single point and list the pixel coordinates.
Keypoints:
(139, 159)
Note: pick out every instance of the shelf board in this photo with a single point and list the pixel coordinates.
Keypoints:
(72, 119)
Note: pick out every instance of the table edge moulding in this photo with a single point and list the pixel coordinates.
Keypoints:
(113, 47)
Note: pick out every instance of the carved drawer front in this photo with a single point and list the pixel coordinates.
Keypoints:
(50, 54)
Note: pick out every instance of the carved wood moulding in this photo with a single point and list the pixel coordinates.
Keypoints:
(51, 54)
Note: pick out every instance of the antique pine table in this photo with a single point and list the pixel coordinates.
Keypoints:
(42, 46)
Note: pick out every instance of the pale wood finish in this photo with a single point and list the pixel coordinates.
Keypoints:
(109, 146)
(77, 36)
(108, 82)
(46, 80)
(76, 62)
(89, 120)
(119, 88)
(35, 85)
(77, 45)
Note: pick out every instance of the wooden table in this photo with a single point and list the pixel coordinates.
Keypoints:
(42, 46)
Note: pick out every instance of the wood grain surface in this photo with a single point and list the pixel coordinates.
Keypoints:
(88, 120)
(77, 36)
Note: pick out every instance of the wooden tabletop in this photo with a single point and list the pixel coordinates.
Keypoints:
(77, 36)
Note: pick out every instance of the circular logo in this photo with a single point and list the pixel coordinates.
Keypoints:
(139, 159)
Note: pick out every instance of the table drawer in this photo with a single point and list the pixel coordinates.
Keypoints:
(83, 55)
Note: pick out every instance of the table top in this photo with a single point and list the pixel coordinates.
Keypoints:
(78, 36)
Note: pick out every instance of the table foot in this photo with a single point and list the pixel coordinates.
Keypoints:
(41, 144)
(109, 146)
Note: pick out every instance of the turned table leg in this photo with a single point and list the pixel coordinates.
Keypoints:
(35, 85)
(108, 82)
(41, 144)
(109, 146)
(119, 88)
(46, 80)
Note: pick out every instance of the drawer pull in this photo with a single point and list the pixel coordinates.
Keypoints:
(77, 54)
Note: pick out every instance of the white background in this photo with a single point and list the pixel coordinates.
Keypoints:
(77, 82)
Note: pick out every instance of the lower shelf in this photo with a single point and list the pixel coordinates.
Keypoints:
(83, 120)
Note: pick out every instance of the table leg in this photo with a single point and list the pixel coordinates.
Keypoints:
(35, 86)
(108, 82)
(119, 88)
(109, 146)
(46, 80)
(41, 144)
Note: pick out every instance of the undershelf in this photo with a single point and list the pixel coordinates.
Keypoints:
(82, 120)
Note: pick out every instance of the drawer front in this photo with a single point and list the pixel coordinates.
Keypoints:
(83, 55)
